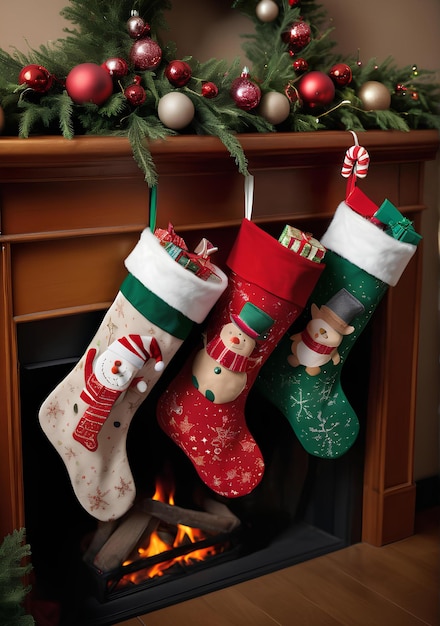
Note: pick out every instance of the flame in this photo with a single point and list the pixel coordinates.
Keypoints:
(184, 535)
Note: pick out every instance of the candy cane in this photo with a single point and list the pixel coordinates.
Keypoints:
(356, 162)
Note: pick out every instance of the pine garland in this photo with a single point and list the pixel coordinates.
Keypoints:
(12, 592)
(99, 32)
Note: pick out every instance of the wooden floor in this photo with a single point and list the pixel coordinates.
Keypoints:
(396, 585)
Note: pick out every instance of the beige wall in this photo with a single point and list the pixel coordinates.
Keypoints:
(406, 30)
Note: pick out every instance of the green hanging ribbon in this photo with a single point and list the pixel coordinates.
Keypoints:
(153, 208)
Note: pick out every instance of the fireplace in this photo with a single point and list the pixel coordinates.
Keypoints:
(303, 508)
(63, 237)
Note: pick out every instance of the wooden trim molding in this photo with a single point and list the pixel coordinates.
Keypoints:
(71, 210)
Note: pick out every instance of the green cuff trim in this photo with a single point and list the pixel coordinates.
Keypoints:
(155, 309)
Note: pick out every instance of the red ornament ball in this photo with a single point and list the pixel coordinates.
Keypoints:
(209, 90)
(89, 82)
(36, 77)
(401, 90)
(316, 89)
(297, 36)
(300, 66)
(178, 73)
(291, 93)
(137, 28)
(341, 74)
(145, 54)
(135, 94)
(116, 67)
(245, 93)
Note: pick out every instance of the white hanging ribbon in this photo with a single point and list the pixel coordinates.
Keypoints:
(248, 196)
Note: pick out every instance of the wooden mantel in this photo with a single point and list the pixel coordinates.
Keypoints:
(71, 210)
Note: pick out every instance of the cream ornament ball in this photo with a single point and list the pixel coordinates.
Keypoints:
(175, 110)
(267, 10)
(375, 96)
(274, 107)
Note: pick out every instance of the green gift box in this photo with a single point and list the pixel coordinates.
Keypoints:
(396, 225)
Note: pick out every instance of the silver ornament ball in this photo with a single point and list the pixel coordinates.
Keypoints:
(267, 10)
(274, 107)
(375, 96)
(175, 110)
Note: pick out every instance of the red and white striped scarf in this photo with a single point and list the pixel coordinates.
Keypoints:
(218, 351)
(314, 345)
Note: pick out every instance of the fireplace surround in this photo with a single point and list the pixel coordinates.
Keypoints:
(72, 210)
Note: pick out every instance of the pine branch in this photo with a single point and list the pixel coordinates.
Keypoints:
(138, 131)
(13, 551)
(98, 31)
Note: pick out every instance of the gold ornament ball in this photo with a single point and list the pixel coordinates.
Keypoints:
(175, 110)
(375, 96)
(267, 10)
(274, 107)
(2, 119)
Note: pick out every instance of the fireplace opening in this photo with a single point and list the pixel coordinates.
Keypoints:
(304, 507)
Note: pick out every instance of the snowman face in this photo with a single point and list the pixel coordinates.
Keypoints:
(323, 333)
(236, 340)
(113, 371)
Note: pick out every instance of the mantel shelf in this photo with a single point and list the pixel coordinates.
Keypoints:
(48, 157)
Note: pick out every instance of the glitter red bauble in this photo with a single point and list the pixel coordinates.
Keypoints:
(137, 28)
(297, 36)
(36, 77)
(178, 73)
(89, 82)
(341, 74)
(145, 54)
(246, 94)
(209, 90)
(135, 94)
(116, 67)
(300, 66)
(316, 89)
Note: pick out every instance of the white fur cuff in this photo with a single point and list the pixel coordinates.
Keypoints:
(175, 285)
(362, 243)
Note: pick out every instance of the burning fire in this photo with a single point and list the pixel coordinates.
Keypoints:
(163, 540)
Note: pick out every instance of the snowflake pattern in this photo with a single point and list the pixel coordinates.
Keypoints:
(53, 410)
(185, 425)
(123, 487)
(112, 328)
(70, 453)
(96, 500)
(225, 437)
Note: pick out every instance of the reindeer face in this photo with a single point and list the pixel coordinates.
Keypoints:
(321, 332)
